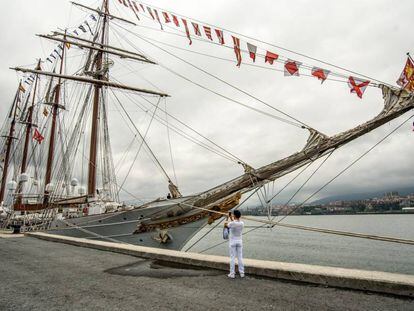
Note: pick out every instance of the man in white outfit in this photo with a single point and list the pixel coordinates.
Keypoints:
(236, 243)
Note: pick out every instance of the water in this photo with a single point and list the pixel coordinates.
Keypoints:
(292, 245)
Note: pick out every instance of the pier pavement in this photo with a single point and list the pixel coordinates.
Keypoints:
(43, 275)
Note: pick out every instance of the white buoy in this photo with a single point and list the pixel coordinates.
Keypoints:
(50, 187)
(23, 178)
(74, 182)
(11, 185)
(81, 191)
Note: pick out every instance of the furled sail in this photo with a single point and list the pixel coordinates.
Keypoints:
(315, 138)
(175, 193)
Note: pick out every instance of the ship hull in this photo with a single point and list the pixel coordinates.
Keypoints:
(122, 226)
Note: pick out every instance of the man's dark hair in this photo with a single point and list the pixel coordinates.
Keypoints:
(237, 213)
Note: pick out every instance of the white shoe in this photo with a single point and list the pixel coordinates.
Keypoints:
(242, 275)
(231, 276)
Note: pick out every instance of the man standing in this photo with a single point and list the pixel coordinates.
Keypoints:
(236, 243)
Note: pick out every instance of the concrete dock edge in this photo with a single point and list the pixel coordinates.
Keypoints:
(374, 281)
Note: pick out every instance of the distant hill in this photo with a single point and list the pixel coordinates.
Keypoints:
(361, 196)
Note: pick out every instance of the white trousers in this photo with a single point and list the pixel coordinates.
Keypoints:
(236, 249)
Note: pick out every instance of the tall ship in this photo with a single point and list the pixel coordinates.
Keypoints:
(57, 163)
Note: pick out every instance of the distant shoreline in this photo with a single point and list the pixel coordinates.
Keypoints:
(344, 214)
(363, 213)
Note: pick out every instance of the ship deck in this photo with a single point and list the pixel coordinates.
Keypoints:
(42, 275)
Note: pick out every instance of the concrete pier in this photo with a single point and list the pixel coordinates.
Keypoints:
(374, 281)
(41, 275)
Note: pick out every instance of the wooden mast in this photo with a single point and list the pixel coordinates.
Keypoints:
(55, 107)
(9, 140)
(95, 113)
(99, 81)
(29, 125)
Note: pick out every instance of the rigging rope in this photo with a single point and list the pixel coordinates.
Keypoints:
(227, 155)
(246, 199)
(190, 128)
(308, 179)
(123, 189)
(350, 165)
(292, 197)
(122, 159)
(145, 143)
(221, 220)
(292, 180)
(278, 223)
(142, 142)
(169, 142)
(135, 133)
(296, 122)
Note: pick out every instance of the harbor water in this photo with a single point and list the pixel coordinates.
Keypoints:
(292, 245)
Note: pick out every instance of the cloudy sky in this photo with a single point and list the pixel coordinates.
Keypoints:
(370, 37)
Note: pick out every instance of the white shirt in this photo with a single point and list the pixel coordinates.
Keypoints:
(236, 228)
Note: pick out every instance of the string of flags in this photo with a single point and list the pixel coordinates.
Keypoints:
(290, 67)
(84, 27)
